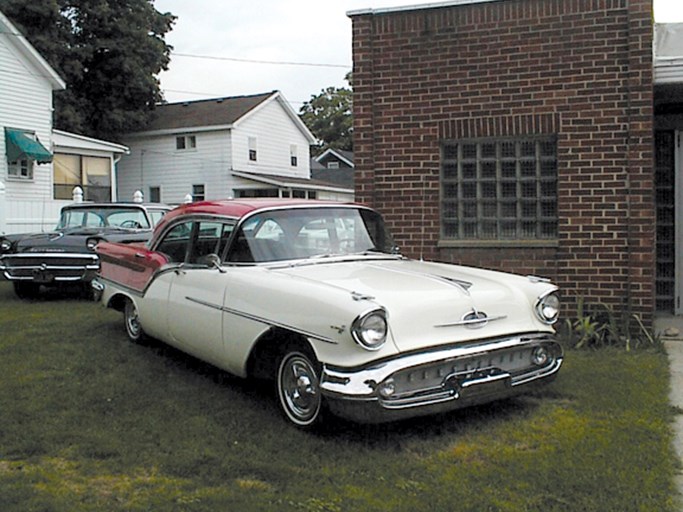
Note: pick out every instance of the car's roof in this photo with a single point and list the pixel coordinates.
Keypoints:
(240, 207)
(117, 205)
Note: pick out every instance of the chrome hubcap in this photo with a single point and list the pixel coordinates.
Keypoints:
(299, 389)
(132, 319)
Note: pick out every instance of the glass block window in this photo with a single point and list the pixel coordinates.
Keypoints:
(665, 190)
(499, 189)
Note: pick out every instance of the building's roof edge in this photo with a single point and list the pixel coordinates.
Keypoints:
(435, 5)
(32, 55)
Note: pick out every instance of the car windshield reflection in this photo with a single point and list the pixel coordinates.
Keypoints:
(310, 233)
(130, 218)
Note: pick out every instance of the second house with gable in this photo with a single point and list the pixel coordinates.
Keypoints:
(243, 146)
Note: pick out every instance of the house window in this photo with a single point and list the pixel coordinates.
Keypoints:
(252, 149)
(21, 169)
(183, 142)
(198, 193)
(499, 189)
(256, 192)
(92, 174)
(333, 165)
(155, 194)
(293, 157)
(304, 194)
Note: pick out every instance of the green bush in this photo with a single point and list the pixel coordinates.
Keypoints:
(597, 325)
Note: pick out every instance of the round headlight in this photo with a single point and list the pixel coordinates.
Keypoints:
(387, 388)
(540, 356)
(91, 243)
(548, 308)
(370, 330)
(5, 245)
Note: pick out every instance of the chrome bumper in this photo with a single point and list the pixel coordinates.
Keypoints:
(442, 380)
(46, 268)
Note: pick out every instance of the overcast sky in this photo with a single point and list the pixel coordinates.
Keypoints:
(225, 48)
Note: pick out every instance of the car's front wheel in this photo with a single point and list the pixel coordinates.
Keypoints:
(132, 322)
(298, 388)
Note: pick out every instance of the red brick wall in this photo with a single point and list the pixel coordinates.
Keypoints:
(580, 69)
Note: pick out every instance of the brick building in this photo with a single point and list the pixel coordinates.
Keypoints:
(515, 135)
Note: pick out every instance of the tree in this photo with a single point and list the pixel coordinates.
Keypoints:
(329, 116)
(109, 53)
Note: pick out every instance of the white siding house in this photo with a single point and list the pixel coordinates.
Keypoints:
(39, 166)
(26, 90)
(242, 146)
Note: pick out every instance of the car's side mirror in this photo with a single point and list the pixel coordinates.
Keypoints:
(214, 261)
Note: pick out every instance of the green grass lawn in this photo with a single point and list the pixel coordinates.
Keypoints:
(90, 422)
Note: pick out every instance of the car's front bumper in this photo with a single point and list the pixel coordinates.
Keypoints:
(442, 380)
(48, 268)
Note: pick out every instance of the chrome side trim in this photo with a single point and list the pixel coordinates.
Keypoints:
(262, 320)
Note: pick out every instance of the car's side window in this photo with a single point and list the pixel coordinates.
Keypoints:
(240, 252)
(210, 238)
(156, 216)
(128, 219)
(176, 242)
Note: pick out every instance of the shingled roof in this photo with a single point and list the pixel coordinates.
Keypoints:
(213, 112)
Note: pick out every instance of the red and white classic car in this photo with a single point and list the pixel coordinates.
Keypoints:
(315, 296)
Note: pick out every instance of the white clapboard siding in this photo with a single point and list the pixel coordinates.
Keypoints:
(155, 162)
(275, 133)
(28, 216)
(25, 103)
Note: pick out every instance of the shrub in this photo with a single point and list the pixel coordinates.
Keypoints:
(597, 325)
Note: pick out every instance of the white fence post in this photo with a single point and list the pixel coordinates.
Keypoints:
(3, 209)
(77, 195)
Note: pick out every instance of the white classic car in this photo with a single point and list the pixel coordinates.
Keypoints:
(315, 296)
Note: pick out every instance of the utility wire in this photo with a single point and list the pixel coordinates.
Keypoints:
(218, 95)
(253, 61)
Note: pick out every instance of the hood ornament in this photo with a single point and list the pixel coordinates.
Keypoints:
(474, 319)
(56, 236)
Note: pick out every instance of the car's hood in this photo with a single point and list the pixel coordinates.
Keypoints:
(74, 239)
(430, 301)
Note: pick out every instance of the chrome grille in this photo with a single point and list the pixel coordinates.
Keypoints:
(444, 380)
(57, 266)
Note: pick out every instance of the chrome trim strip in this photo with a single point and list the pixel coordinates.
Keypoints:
(45, 267)
(262, 320)
(49, 255)
(359, 383)
(473, 322)
(55, 279)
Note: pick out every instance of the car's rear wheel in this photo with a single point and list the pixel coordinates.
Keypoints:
(132, 322)
(25, 290)
(298, 388)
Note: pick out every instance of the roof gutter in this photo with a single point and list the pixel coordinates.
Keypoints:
(436, 5)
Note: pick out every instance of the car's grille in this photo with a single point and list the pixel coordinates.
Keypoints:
(46, 267)
(444, 380)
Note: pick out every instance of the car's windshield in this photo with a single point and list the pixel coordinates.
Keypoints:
(99, 216)
(310, 232)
